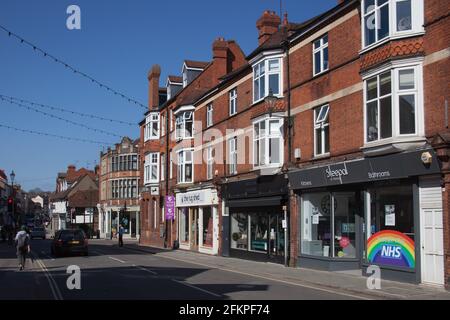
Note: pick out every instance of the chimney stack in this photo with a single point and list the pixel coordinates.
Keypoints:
(267, 25)
(153, 87)
(220, 56)
(71, 168)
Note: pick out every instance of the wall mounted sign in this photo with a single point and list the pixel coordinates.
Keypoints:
(197, 198)
(391, 248)
(170, 207)
(154, 191)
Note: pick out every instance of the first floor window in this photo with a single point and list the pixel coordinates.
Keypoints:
(232, 144)
(266, 78)
(320, 55)
(321, 130)
(185, 166)
(151, 129)
(268, 142)
(233, 102)
(209, 163)
(184, 125)
(151, 168)
(392, 103)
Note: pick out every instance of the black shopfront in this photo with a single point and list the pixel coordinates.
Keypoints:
(253, 219)
(347, 210)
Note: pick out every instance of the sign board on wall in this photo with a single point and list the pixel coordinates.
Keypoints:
(170, 207)
(197, 198)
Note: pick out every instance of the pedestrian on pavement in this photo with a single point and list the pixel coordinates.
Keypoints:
(121, 232)
(23, 246)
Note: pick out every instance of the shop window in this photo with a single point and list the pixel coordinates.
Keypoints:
(318, 236)
(239, 231)
(207, 227)
(184, 224)
(259, 224)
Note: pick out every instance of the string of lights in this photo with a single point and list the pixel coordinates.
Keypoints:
(69, 67)
(55, 135)
(85, 115)
(59, 118)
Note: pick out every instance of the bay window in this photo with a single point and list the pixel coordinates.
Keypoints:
(185, 166)
(268, 142)
(393, 104)
(390, 18)
(184, 125)
(151, 129)
(266, 78)
(151, 168)
(321, 130)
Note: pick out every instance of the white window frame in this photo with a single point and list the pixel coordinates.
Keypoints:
(321, 124)
(395, 67)
(265, 139)
(322, 46)
(233, 102)
(163, 124)
(150, 120)
(417, 16)
(151, 160)
(209, 163)
(163, 167)
(181, 120)
(209, 115)
(181, 172)
(266, 61)
(233, 152)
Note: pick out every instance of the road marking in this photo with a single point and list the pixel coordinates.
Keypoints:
(115, 259)
(197, 288)
(145, 269)
(98, 252)
(52, 283)
(272, 279)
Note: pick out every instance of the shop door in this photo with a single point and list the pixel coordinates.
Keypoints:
(194, 229)
(432, 246)
(276, 238)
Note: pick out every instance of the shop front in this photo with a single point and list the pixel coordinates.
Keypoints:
(383, 211)
(111, 217)
(198, 220)
(255, 217)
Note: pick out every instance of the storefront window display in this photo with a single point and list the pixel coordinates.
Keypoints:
(330, 231)
(207, 227)
(259, 231)
(184, 224)
(239, 231)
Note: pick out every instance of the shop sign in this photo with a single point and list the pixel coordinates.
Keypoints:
(196, 198)
(170, 207)
(391, 248)
(154, 191)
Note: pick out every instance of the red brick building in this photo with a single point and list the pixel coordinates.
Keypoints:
(327, 145)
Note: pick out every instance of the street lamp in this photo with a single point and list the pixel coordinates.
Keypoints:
(12, 175)
(271, 100)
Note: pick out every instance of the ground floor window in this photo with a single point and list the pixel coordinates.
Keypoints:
(184, 224)
(239, 231)
(207, 227)
(328, 227)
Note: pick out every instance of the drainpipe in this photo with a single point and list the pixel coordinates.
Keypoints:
(167, 172)
(288, 67)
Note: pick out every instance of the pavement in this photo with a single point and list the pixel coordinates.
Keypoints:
(135, 272)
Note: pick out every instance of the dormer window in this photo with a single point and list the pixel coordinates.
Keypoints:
(151, 129)
(266, 78)
(383, 19)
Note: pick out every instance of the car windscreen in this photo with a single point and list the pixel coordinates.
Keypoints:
(74, 235)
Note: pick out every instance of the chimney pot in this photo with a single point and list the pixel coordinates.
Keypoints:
(267, 25)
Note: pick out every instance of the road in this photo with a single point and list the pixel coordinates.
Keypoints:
(110, 272)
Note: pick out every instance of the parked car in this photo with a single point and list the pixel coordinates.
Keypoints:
(69, 242)
(38, 232)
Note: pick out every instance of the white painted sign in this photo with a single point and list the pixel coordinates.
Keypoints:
(197, 198)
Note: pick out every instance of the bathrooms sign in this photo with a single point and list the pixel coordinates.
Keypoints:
(393, 166)
(197, 198)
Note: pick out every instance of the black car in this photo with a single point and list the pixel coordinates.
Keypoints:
(68, 242)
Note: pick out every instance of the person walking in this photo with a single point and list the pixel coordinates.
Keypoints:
(23, 246)
(121, 232)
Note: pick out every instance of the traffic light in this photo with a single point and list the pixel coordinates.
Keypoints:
(10, 204)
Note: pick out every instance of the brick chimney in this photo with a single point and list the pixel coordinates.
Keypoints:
(220, 56)
(71, 169)
(267, 25)
(153, 87)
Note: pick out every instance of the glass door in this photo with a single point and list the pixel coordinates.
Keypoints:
(194, 229)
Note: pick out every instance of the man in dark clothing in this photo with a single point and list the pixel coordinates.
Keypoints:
(22, 246)
(121, 232)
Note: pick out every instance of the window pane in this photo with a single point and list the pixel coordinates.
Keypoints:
(317, 62)
(256, 88)
(369, 29)
(262, 152)
(256, 131)
(372, 88)
(188, 173)
(319, 141)
(325, 59)
(385, 84)
(256, 151)
(406, 79)
(262, 128)
(274, 83)
(368, 5)
(407, 114)
(317, 44)
(262, 87)
(345, 207)
(274, 127)
(383, 30)
(404, 15)
(274, 151)
(207, 227)
(326, 132)
(372, 122)
(239, 231)
(381, 2)
(259, 231)
(386, 118)
(274, 65)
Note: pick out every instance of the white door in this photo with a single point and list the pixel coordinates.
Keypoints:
(432, 246)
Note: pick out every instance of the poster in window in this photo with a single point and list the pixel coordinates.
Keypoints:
(389, 211)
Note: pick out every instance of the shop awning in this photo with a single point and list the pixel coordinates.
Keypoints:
(254, 202)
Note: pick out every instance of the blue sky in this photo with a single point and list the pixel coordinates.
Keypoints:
(117, 44)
